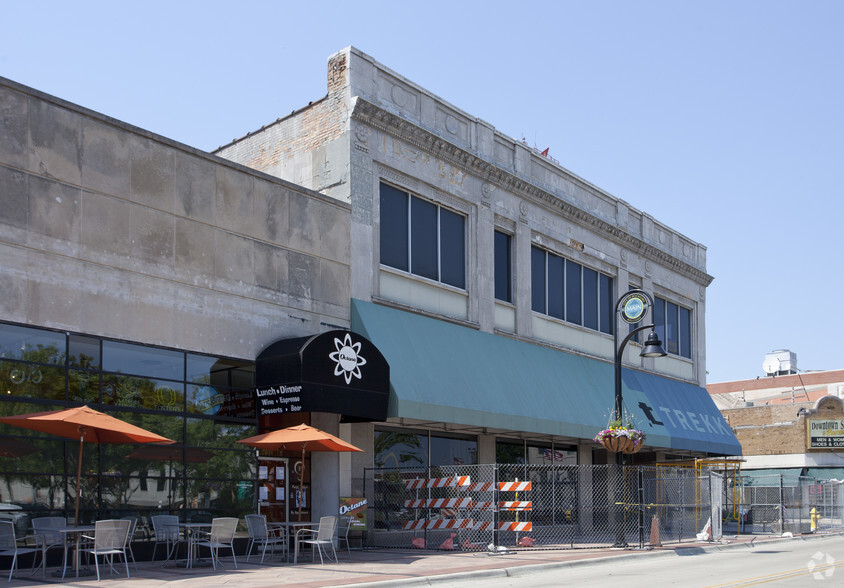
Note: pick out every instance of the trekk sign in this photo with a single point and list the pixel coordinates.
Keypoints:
(338, 372)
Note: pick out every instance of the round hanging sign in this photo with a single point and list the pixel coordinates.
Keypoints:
(634, 307)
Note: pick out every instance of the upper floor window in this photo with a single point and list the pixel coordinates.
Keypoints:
(503, 267)
(570, 291)
(674, 327)
(422, 238)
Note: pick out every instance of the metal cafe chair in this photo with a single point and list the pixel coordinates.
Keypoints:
(220, 535)
(110, 537)
(343, 528)
(133, 524)
(261, 535)
(166, 529)
(322, 537)
(47, 536)
(9, 546)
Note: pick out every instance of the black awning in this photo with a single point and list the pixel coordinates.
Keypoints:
(338, 372)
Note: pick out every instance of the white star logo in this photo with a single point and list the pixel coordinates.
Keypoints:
(348, 358)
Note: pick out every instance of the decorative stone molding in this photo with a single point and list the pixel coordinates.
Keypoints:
(412, 133)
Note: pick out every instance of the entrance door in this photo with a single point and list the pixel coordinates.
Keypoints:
(272, 488)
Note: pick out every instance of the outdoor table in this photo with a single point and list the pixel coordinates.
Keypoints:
(293, 526)
(191, 530)
(78, 532)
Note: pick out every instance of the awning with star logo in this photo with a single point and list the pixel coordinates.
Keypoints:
(337, 372)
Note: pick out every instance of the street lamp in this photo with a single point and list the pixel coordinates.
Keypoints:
(633, 308)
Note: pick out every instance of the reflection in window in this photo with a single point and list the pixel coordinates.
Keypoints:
(143, 393)
(400, 449)
(32, 380)
(453, 450)
(31, 344)
(127, 358)
(83, 352)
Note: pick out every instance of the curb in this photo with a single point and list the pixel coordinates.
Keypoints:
(528, 569)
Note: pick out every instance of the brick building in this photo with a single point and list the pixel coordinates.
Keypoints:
(791, 423)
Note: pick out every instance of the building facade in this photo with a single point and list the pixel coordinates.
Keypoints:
(379, 264)
(487, 275)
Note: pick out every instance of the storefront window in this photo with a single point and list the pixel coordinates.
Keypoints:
(397, 448)
(208, 474)
(453, 451)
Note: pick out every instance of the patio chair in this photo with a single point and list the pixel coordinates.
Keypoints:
(322, 537)
(343, 528)
(110, 537)
(261, 535)
(166, 529)
(221, 535)
(47, 536)
(9, 546)
(133, 524)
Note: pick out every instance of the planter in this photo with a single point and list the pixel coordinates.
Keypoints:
(632, 447)
(617, 444)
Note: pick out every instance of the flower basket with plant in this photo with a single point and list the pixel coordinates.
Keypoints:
(620, 437)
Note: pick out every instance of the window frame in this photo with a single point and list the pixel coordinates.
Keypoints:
(451, 269)
(561, 281)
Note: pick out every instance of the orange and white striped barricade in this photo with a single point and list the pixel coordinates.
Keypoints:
(438, 503)
(449, 482)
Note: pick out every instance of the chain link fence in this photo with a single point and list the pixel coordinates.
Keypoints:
(508, 506)
(778, 503)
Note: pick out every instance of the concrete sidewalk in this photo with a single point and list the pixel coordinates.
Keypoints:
(376, 567)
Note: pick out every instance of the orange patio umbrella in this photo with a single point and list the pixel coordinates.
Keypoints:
(86, 424)
(302, 437)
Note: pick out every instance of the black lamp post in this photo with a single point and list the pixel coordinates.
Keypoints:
(633, 308)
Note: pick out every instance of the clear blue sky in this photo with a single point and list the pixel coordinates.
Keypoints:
(722, 119)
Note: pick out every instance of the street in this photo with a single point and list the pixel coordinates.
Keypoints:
(797, 563)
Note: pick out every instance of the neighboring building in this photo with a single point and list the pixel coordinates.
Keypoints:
(143, 277)
(787, 422)
(427, 288)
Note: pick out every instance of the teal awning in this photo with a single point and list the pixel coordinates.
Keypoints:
(448, 373)
(771, 477)
(825, 473)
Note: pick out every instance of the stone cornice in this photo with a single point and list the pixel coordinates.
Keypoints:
(435, 145)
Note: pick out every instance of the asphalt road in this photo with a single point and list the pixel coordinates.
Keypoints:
(797, 563)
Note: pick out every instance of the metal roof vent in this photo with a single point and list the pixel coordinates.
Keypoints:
(780, 363)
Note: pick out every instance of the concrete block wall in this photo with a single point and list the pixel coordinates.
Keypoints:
(111, 230)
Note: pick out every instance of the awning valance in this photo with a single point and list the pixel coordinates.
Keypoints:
(338, 372)
(448, 373)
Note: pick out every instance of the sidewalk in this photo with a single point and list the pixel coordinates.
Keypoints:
(375, 567)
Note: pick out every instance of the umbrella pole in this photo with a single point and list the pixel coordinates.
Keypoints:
(82, 431)
(301, 481)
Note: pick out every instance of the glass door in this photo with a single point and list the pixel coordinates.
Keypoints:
(273, 478)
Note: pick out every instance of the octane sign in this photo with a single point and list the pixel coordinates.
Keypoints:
(634, 307)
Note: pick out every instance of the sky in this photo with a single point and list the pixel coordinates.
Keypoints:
(721, 119)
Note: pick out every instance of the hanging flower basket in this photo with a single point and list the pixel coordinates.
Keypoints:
(616, 444)
(617, 439)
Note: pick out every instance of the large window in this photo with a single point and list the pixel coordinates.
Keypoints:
(204, 403)
(503, 267)
(422, 238)
(674, 327)
(567, 290)
(405, 448)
